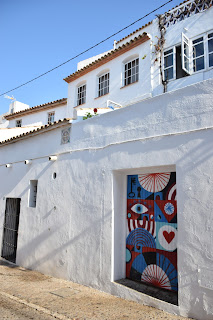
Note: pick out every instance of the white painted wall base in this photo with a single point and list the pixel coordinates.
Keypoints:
(77, 230)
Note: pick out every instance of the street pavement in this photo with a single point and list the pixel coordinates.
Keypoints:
(26, 294)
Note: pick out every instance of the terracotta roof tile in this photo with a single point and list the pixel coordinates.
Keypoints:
(149, 23)
(36, 108)
(53, 125)
(141, 28)
(107, 57)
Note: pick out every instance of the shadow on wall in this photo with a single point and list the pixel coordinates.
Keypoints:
(55, 231)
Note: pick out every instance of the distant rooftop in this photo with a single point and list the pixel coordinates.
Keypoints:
(40, 107)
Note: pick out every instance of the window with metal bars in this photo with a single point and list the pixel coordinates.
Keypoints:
(103, 84)
(131, 71)
(81, 97)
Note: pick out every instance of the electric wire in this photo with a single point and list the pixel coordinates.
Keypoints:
(90, 48)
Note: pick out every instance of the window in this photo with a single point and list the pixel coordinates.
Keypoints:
(103, 84)
(51, 116)
(33, 193)
(81, 97)
(210, 49)
(191, 56)
(168, 64)
(198, 54)
(18, 123)
(131, 72)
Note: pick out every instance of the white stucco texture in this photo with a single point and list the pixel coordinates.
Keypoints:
(150, 82)
(77, 230)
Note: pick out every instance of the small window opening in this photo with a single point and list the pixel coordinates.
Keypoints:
(18, 123)
(180, 73)
(33, 193)
(51, 117)
(54, 175)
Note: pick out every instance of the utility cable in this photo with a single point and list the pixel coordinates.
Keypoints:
(90, 48)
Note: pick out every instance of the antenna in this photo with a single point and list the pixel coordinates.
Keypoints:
(8, 97)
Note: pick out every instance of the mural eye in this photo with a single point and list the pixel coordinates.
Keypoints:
(139, 208)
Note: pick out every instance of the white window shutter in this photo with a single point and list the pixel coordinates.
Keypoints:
(185, 53)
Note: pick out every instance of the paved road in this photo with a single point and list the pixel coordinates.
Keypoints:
(26, 294)
(13, 310)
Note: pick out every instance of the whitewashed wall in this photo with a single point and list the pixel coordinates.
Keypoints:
(194, 26)
(149, 83)
(77, 229)
(40, 118)
(6, 133)
(117, 93)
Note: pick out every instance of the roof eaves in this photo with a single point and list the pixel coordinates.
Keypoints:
(36, 108)
(104, 59)
(139, 29)
(150, 22)
(47, 127)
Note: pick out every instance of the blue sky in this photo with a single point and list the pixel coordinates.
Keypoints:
(39, 35)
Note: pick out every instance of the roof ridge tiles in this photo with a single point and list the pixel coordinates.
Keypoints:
(76, 73)
(65, 120)
(11, 115)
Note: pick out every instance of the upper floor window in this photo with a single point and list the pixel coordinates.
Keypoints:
(189, 57)
(198, 54)
(18, 123)
(51, 117)
(81, 96)
(103, 84)
(210, 49)
(131, 72)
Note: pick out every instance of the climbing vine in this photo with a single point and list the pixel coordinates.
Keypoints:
(158, 51)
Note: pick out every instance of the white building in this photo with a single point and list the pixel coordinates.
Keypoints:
(21, 118)
(131, 72)
(86, 208)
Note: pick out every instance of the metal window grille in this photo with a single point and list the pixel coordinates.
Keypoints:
(168, 64)
(18, 123)
(210, 49)
(10, 233)
(51, 116)
(81, 95)
(131, 72)
(103, 85)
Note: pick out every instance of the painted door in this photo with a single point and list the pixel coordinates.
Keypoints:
(151, 243)
(10, 234)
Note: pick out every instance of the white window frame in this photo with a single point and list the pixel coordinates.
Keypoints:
(19, 123)
(105, 82)
(81, 94)
(186, 53)
(50, 117)
(207, 45)
(189, 42)
(136, 74)
(174, 62)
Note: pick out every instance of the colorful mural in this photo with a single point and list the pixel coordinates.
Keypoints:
(151, 246)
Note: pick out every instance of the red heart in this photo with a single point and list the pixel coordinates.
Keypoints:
(169, 236)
